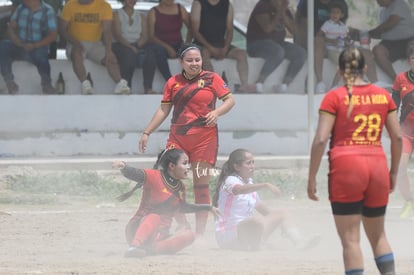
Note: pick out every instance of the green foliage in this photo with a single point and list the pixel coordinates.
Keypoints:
(88, 186)
(81, 185)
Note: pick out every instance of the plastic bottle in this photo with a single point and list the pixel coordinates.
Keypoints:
(60, 84)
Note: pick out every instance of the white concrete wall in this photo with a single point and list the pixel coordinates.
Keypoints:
(104, 124)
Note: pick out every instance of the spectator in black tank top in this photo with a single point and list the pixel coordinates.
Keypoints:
(212, 27)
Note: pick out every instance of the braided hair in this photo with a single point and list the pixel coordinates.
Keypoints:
(351, 63)
(236, 157)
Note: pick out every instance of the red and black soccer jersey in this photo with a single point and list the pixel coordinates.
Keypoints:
(371, 105)
(193, 99)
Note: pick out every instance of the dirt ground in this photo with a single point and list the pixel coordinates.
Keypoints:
(89, 239)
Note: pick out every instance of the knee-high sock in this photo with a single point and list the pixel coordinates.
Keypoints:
(201, 195)
(385, 264)
(174, 243)
(147, 228)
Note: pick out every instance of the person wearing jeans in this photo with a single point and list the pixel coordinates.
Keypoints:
(266, 32)
(31, 29)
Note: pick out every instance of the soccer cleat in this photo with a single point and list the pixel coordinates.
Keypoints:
(122, 87)
(135, 252)
(87, 87)
(407, 210)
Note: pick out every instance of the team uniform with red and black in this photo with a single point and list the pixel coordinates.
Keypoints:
(193, 99)
(403, 92)
(162, 199)
(358, 177)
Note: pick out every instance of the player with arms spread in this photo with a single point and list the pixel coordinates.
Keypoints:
(353, 117)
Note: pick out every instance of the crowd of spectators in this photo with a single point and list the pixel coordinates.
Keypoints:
(125, 39)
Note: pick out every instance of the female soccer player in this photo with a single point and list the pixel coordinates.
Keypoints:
(352, 117)
(163, 197)
(193, 94)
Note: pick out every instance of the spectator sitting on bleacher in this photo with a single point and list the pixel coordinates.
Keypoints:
(131, 49)
(212, 27)
(396, 31)
(57, 6)
(266, 33)
(321, 14)
(165, 22)
(31, 29)
(82, 24)
(337, 37)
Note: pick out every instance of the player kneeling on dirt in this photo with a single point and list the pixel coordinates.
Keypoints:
(163, 198)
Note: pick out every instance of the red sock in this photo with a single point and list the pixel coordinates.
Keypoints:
(201, 195)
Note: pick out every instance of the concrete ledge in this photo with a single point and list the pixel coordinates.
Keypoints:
(104, 124)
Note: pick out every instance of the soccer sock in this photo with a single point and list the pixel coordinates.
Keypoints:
(385, 264)
(201, 195)
(174, 243)
(354, 272)
(146, 229)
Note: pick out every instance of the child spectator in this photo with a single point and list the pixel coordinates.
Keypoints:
(336, 36)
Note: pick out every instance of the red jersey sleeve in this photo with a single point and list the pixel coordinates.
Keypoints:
(220, 87)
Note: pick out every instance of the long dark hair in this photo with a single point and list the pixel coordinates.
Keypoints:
(165, 157)
(236, 157)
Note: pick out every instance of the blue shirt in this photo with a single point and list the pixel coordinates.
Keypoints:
(34, 26)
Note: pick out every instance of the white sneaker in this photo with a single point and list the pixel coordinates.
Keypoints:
(87, 87)
(122, 87)
(281, 88)
(259, 87)
(320, 88)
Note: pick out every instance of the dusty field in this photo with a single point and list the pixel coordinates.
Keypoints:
(88, 239)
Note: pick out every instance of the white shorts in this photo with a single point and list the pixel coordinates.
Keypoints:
(94, 51)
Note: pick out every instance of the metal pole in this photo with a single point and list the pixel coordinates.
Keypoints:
(311, 77)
